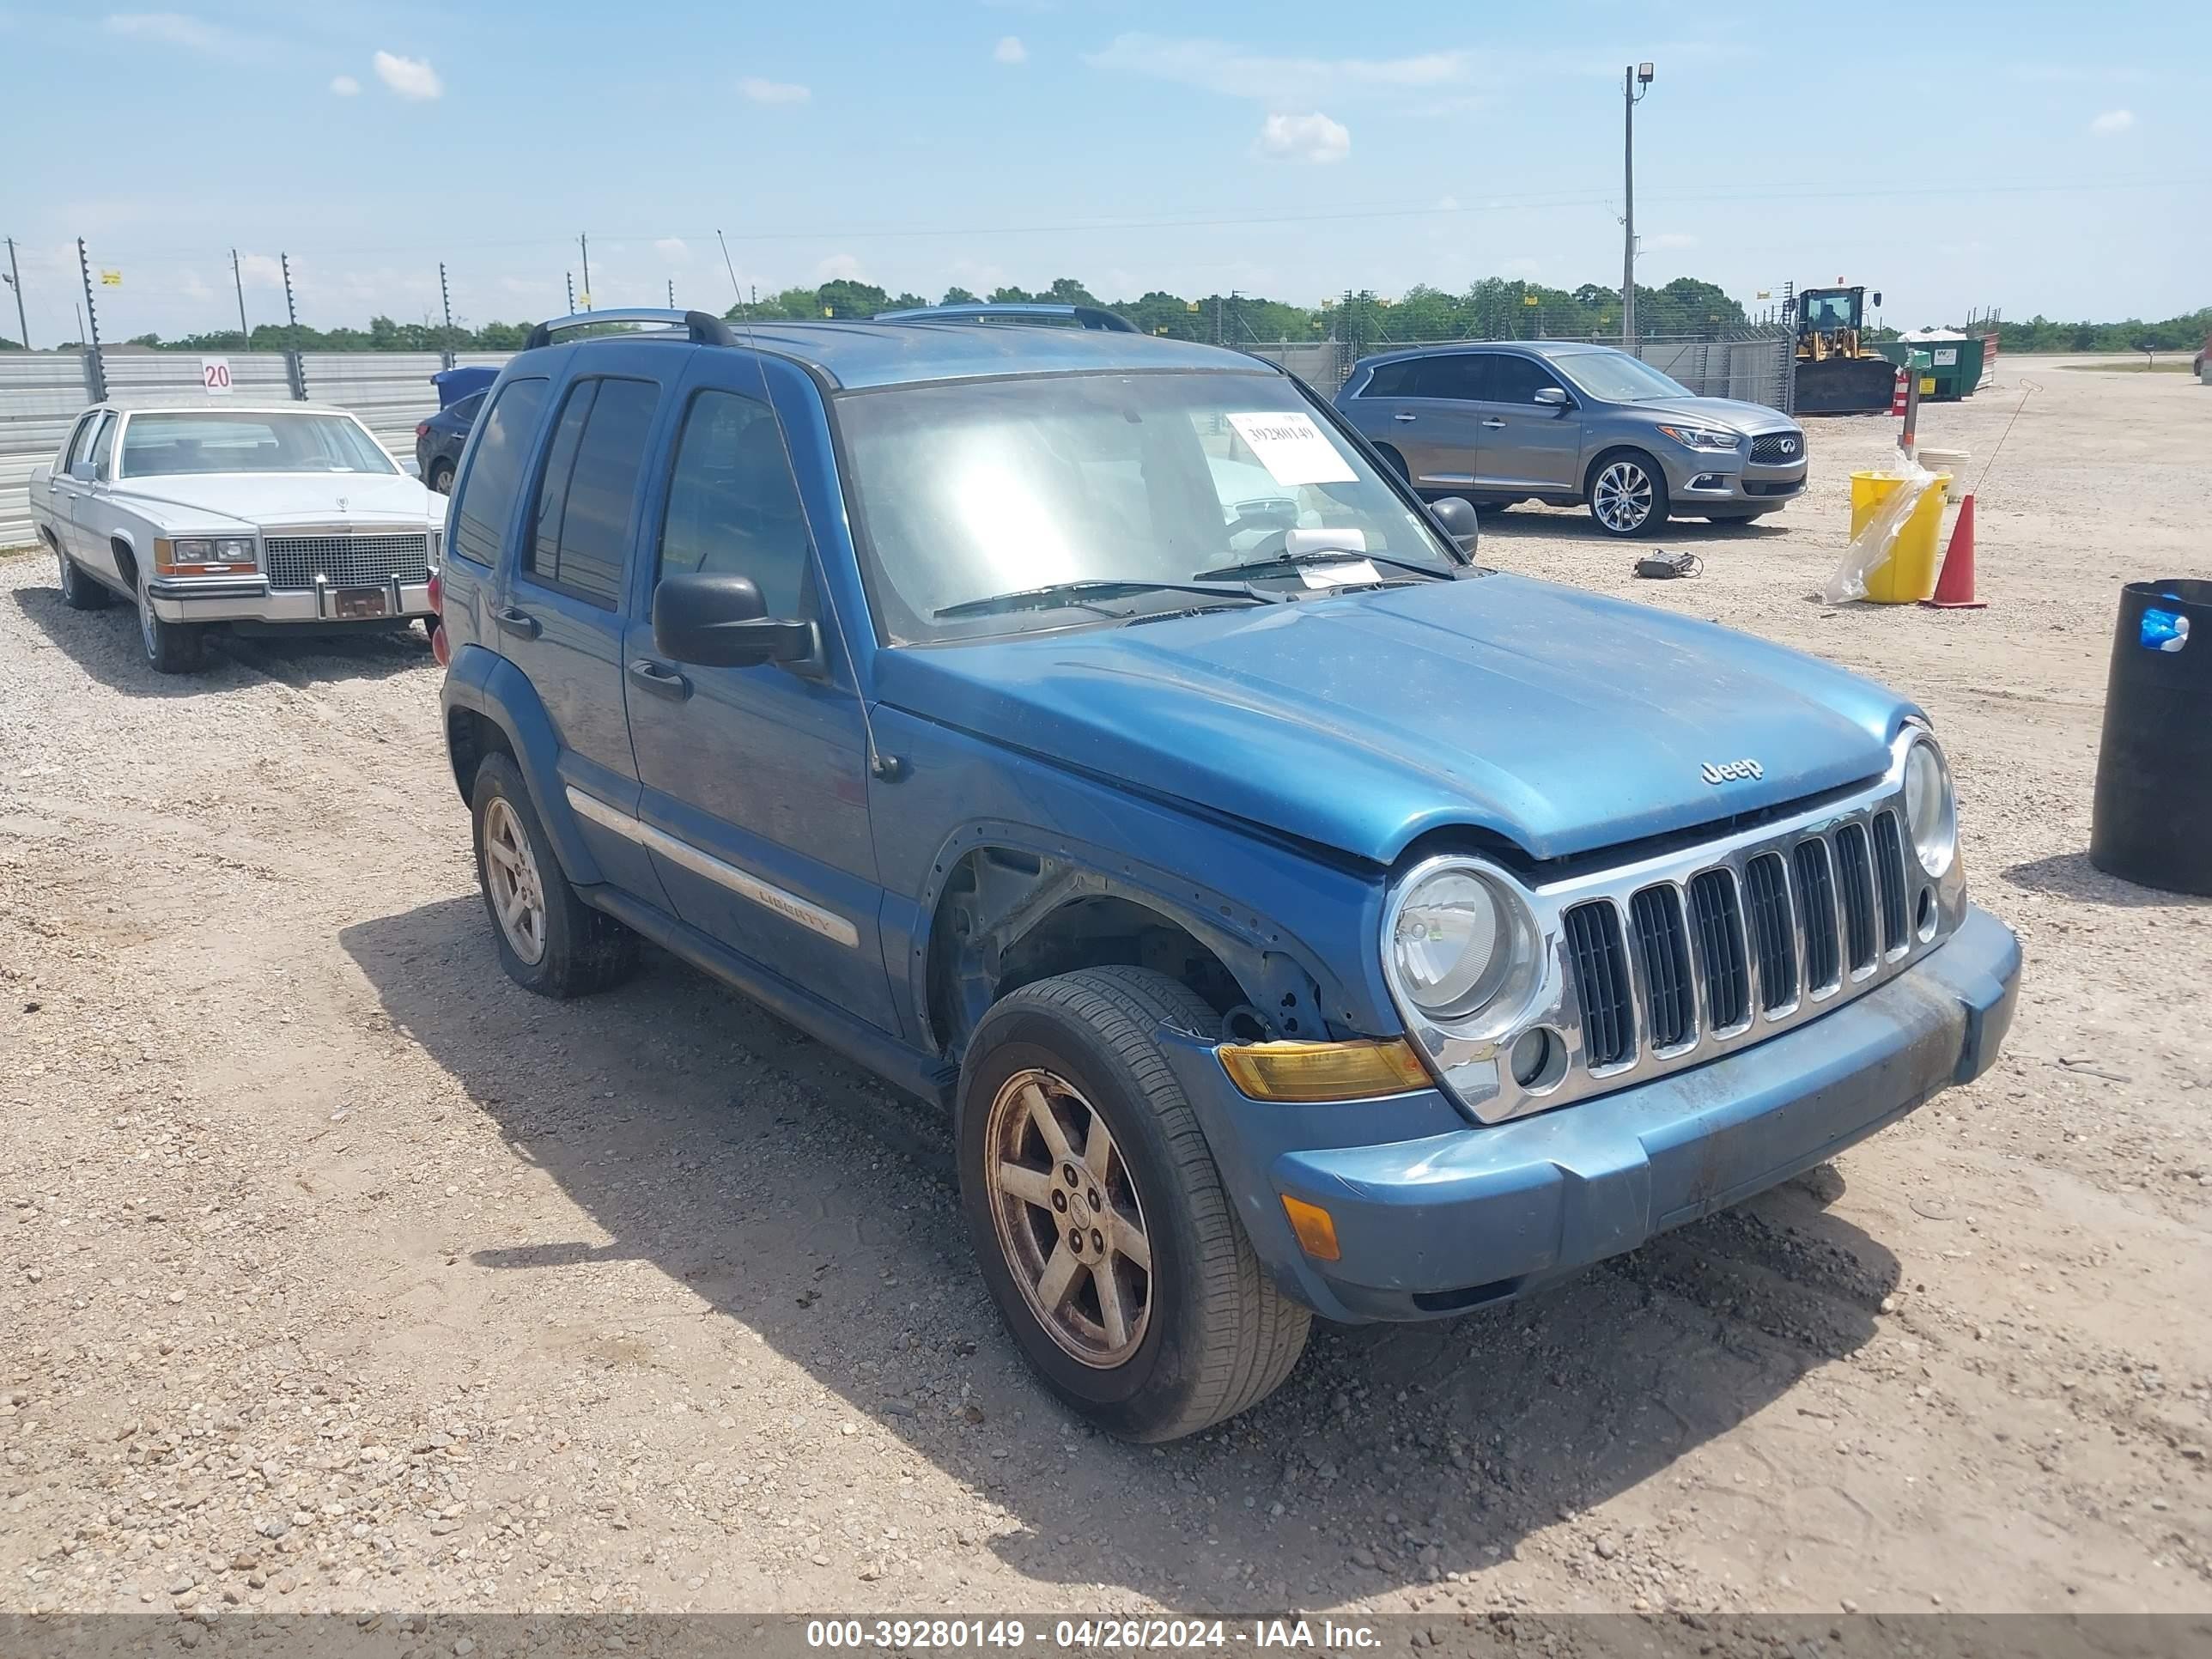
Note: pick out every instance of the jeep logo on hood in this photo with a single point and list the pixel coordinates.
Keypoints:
(1728, 771)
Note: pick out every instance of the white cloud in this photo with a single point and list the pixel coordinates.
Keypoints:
(260, 270)
(840, 267)
(761, 91)
(1219, 66)
(2113, 121)
(411, 78)
(674, 249)
(1303, 139)
(1666, 240)
(1010, 49)
(345, 86)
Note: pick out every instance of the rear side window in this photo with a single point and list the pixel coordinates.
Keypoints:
(1465, 375)
(469, 407)
(1391, 380)
(733, 507)
(103, 446)
(581, 527)
(80, 447)
(1518, 380)
(485, 505)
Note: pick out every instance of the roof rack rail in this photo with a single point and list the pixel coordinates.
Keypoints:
(1094, 317)
(705, 327)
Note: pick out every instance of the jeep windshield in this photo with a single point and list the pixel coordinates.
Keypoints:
(165, 445)
(1096, 498)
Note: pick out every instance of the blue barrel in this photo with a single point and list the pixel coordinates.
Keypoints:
(2153, 822)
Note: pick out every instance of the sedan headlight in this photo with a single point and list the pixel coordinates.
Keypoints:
(1459, 941)
(197, 553)
(1931, 812)
(1703, 437)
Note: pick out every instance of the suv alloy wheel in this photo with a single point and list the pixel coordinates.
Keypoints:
(1628, 494)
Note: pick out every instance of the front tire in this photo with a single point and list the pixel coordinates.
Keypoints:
(1098, 1217)
(79, 590)
(1628, 494)
(549, 940)
(170, 647)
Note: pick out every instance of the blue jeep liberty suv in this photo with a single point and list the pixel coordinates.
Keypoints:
(1086, 731)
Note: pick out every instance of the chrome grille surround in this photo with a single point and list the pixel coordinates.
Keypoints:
(345, 555)
(1472, 1063)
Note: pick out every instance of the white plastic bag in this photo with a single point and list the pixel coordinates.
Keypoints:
(1871, 548)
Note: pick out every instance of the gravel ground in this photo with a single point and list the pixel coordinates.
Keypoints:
(341, 1273)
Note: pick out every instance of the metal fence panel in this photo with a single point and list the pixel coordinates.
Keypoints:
(40, 393)
(390, 391)
(142, 380)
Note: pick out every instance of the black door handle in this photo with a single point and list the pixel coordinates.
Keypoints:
(513, 620)
(660, 679)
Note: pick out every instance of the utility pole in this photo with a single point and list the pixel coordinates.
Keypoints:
(1635, 82)
(98, 376)
(584, 246)
(245, 334)
(16, 282)
(446, 299)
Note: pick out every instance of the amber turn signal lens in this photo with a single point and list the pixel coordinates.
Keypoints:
(1316, 1232)
(1312, 1071)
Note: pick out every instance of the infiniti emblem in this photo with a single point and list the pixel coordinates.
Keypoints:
(1728, 771)
(1790, 445)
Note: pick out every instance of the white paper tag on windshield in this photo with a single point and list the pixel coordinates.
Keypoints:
(1292, 449)
(1351, 573)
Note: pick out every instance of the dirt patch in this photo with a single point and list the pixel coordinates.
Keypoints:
(340, 1272)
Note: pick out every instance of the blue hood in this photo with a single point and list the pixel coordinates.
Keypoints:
(1559, 720)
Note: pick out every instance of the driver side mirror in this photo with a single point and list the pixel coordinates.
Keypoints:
(1877, 298)
(721, 622)
(1454, 516)
(1552, 396)
(83, 471)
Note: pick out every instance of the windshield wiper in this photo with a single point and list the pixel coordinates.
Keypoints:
(1077, 592)
(1288, 561)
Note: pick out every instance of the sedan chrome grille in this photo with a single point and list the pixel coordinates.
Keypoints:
(345, 561)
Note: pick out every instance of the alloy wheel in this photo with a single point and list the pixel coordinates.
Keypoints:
(1623, 497)
(1069, 1220)
(518, 896)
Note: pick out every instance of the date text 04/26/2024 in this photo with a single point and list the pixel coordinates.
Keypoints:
(1080, 1635)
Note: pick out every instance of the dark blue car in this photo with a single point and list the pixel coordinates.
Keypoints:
(1087, 732)
(440, 440)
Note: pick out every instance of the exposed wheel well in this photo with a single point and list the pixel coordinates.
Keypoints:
(125, 562)
(1006, 919)
(1390, 452)
(469, 738)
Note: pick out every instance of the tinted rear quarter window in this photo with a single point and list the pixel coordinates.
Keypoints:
(485, 505)
(1391, 380)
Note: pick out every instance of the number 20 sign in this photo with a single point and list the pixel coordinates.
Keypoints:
(215, 376)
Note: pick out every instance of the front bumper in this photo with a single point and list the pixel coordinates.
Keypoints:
(229, 599)
(1693, 482)
(1433, 1216)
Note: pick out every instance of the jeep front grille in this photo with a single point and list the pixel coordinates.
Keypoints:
(1750, 941)
(346, 561)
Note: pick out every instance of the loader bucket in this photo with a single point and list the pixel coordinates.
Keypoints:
(1845, 385)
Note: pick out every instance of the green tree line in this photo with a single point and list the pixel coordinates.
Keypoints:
(1493, 307)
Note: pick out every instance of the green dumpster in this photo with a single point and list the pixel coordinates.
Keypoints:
(1955, 365)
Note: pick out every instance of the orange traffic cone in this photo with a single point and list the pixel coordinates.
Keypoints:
(1954, 589)
(1897, 394)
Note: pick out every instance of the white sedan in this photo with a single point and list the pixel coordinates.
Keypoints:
(243, 517)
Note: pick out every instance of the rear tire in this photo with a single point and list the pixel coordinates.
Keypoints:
(79, 590)
(441, 477)
(1628, 494)
(549, 940)
(1197, 1331)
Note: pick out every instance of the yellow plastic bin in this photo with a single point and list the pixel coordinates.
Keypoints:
(1909, 575)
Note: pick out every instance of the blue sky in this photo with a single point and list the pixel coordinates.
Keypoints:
(2036, 157)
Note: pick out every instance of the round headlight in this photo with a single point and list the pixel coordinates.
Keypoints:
(1455, 939)
(1930, 813)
